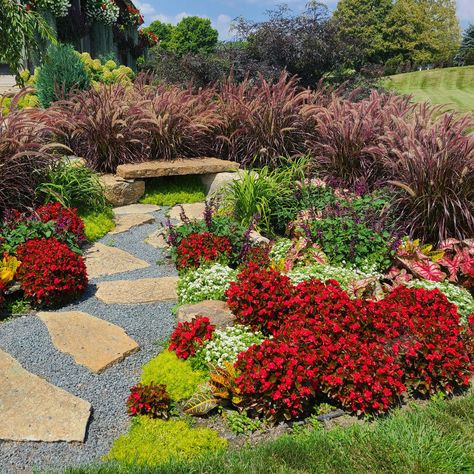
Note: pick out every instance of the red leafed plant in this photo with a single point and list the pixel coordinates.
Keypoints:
(204, 247)
(50, 274)
(150, 400)
(108, 126)
(66, 220)
(188, 336)
(260, 298)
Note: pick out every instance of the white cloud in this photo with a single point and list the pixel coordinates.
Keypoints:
(145, 8)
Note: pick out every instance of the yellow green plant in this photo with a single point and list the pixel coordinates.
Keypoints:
(8, 268)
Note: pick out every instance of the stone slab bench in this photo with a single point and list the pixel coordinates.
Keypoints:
(180, 167)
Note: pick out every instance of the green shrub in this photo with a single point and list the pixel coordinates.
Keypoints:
(61, 72)
(154, 442)
(346, 241)
(179, 377)
(258, 192)
(97, 223)
(75, 186)
(170, 191)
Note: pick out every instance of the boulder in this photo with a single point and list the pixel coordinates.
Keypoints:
(217, 181)
(122, 192)
(217, 311)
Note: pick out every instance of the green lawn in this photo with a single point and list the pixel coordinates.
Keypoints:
(438, 438)
(453, 86)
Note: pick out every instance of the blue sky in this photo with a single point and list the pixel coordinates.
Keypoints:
(222, 12)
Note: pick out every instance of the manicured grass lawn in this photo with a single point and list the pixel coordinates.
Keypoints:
(438, 438)
(453, 86)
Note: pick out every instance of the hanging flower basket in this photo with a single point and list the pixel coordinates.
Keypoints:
(103, 11)
(58, 8)
(148, 39)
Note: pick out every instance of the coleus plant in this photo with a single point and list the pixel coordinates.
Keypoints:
(452, 260)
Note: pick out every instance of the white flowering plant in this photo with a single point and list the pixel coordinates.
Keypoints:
(225, 345)
(103, 11)
(280, 250)
(58, 8)
(205, 283)
(455, 294)
(343, 275)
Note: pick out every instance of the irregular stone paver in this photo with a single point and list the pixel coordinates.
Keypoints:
(136, 209)
(31, 409)
(120, 192)
(128, 221)
(157, 168)
(91, 341)
(147, 290)
(217, 311)
(157, 240)
(105, 260)
(192, 211)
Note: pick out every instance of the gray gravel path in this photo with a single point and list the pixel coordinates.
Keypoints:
(27, 340)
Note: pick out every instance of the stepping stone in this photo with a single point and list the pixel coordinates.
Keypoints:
(136, 209)
(157, 240)
(92, 342)
(147, 290)
(32, 409)
(129, 221)
(193, 211)
(218, 313)
(105, 260)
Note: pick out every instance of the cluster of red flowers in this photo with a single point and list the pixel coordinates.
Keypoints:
(188, 336)
(258, 254)
(2, 293)
(50, 273)
(204, 247)
(260, 298)
(150, 400)
(362, 354)
(66, 220)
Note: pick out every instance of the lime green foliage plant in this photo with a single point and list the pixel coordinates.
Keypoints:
(61, 72)
(170, 191)
(106, 72)
(180, 378)
(25, 101)
(456, 294)
(74, 185)
(97, 223)
(152, 442)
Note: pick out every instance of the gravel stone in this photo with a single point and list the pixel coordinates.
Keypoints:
(27, 339)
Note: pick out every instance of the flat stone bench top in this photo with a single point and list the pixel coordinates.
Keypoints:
(156, 169)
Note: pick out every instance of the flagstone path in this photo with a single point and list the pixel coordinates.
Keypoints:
(65, 375)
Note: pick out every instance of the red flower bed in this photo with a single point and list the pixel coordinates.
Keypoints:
(204, 247)
(261, 298)
(190, 335)
(50, 274)
(362, 354)
(66, 220)
(279, 379)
